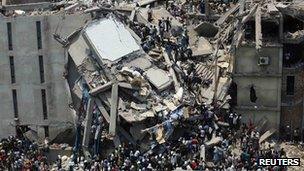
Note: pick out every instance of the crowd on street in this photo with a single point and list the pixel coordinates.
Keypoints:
(203, 145)
(22, 154)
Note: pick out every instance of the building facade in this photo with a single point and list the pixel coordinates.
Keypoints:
(34, 93)
(273, 73)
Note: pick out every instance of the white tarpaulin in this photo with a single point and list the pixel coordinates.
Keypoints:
(110, 39)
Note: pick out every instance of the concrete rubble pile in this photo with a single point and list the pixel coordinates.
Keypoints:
(110, 73)
(139, 89)
(139, 72)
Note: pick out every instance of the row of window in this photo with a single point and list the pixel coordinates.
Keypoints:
(43, 99)
(41, 69)
(10, 39)
(12, 68)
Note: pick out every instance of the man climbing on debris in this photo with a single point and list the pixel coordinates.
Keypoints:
(150, 15)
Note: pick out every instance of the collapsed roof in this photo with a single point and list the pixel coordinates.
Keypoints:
(108, 59)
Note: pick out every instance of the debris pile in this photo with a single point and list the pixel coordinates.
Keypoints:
(136, 78)
(154, 83)
(149, 70)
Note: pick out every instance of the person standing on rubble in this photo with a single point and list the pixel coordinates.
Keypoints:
(161, 29)
(296, 135)
(202, 6)
(150, 17)
(168, 24)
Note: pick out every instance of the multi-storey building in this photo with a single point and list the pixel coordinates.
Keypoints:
(34, 93)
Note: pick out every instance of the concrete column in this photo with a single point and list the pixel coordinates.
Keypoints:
(88, 123)
(281, 27)
(113, 112)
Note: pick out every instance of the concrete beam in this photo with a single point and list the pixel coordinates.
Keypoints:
(145, 2)
(114, 105)
(127, 86)
(28, 6)
(120, 129)
(132, 16)
(71, 7)
(101, 88)
(258, 28)
(224, 17)
(88, 123)
(251, 13)
(102, 110)
(171, 71)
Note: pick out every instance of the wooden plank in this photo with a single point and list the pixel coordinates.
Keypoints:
(113, 112)
(88, 123)
(258, 28)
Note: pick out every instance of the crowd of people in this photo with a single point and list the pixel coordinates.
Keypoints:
(22, 154)
(213, 142)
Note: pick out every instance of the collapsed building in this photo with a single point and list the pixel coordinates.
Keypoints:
(248, 58)
(139, 93)
(39, 102)
(132, 90)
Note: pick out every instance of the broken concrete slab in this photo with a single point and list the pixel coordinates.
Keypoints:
(138, 106)
(79, 50)
(141, 62)
(158, 78)
(110, 39)
(31, 135)
(203, 48)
